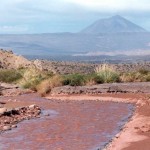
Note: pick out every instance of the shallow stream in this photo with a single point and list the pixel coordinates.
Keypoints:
(67, 125)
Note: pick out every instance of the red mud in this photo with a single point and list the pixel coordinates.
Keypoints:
(71, 125)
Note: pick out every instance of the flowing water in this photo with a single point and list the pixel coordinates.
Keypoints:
(70, 125)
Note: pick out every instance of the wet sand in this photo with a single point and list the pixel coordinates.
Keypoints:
(72, 124)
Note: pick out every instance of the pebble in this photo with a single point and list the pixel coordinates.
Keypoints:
(32, 106)
(7, 128)
(14, 126)
(117, 135)
(2, 110)
(47, 114)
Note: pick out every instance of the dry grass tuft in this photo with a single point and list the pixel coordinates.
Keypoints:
(46, 85)
(107, 73)
(31, 78)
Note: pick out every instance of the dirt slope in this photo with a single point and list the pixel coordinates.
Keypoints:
(8, 60)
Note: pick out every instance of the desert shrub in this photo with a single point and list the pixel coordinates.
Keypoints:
(92, 79)
(144, 71)
(9, 76)
(106, 74)
(55, 81)
(32, 83)
(137, 76)
(129, 77)
(31, 78)
(46, 85)
(74, 80)
(147, 78)
(48, 74)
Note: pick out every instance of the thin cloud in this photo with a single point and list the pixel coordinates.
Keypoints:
(51, 15)
(108, 5)
(13, 29)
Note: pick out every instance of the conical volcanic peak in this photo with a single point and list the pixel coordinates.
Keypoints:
(113, 24)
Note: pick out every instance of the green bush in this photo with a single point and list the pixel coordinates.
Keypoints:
(106, 74)
(32, 77)
(74, 80)
(92, 79)
(9, 76)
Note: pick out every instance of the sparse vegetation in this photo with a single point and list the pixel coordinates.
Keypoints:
(44, 81)
(74, 80)
(148, 78)
(141, 75)
(46, 85)
(32, 77)
(92, 79)
(9, 76)
(107, 74)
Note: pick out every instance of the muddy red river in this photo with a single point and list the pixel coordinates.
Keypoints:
(70, 125)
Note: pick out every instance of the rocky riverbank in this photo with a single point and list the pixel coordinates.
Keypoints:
(11, 112)
(9, 117)
(141, 87)
(12, 90)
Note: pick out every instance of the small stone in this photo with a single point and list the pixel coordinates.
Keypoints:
(32, 106)
(14, 126)
(2, 110)
(117, 135)
(5, 128)
(46, 114)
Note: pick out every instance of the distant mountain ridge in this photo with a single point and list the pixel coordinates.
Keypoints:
(113, 24)
(115, 35)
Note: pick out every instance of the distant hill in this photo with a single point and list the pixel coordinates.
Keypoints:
(114, 24)
(8, 60)
(70, 44)
(114, 35)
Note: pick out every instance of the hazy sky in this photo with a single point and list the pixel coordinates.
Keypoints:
(42, 16)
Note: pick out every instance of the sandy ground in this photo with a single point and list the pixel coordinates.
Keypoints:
(136, 133)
